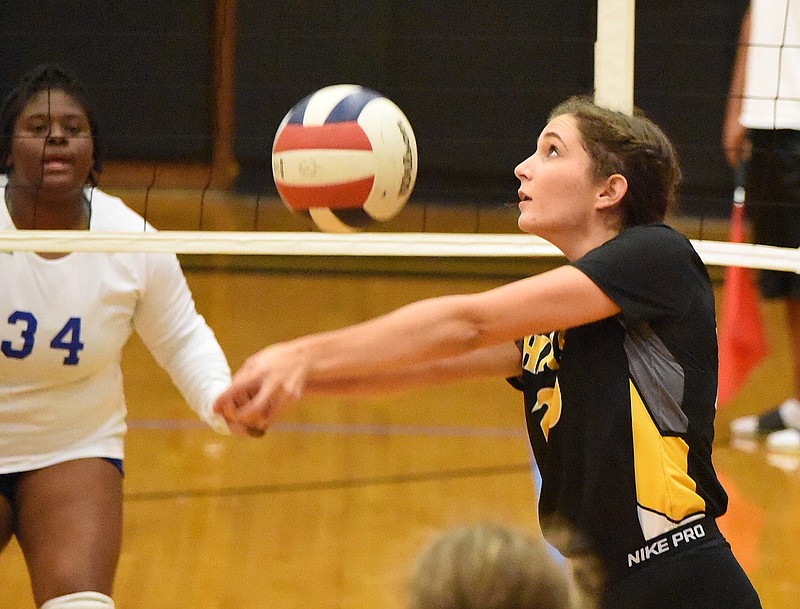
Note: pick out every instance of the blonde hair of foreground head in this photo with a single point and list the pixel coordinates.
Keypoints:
(487, 566)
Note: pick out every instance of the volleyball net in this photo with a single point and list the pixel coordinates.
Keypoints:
(207, 220)
(424, 245)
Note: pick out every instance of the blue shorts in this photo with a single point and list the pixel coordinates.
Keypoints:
(8, 482)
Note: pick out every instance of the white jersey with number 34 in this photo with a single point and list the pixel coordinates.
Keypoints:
(63, 324)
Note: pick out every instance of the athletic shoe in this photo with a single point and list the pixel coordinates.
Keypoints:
(758, 425)
(788, 462)
(784, 441)
(748, 444)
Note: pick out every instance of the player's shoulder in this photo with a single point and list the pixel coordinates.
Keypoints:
(650, 250)
(656, 240)
(646, 240)
(655, 231)
(110, 213)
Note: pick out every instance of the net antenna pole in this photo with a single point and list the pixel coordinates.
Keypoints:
(613, 54)
(224, 167)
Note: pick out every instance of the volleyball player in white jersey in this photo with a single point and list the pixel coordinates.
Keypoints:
(64, 319)
(762, 129)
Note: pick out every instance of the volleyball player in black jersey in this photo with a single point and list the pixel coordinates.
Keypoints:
(615, 353)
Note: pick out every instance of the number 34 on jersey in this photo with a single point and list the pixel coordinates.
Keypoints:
(21, 334)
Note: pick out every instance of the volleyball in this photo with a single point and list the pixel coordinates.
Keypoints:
(346, 156)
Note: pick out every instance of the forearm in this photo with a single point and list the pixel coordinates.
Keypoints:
(417, 333)
(198, 369)
(733, 133)
(736, 89)
(179, 339)
(499, 361)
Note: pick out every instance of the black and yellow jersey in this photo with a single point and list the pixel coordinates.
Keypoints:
(620, 412)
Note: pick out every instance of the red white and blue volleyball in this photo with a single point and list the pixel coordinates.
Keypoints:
(345, 155)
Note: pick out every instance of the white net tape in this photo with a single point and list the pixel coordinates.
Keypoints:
(713, 253)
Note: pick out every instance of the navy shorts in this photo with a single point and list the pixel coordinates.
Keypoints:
(773, 202)
(8, 482)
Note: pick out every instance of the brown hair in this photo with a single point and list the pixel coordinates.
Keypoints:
(633, 146)
(487, 566)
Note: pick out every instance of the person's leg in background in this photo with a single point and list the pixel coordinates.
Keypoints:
(773, 203)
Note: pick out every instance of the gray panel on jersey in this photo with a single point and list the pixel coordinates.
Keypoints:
(658, 377)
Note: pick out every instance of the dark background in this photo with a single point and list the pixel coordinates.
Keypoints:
(476, 80)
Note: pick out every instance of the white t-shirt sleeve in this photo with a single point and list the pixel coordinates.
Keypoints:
(179, 337)
(166, 318)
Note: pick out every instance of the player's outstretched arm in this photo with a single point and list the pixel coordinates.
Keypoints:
(417, 334)
(502, 360)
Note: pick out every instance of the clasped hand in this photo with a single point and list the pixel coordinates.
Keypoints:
(267, 383)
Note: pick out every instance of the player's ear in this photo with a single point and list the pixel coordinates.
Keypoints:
(612, 190)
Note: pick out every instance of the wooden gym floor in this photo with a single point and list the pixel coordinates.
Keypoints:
(330, 507)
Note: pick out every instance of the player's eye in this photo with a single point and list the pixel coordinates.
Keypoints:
(76, 130)
(39, 128)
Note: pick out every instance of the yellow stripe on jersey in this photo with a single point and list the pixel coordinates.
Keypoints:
(539, 355)
(663, 484)
(539, 352)
(550, 397)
